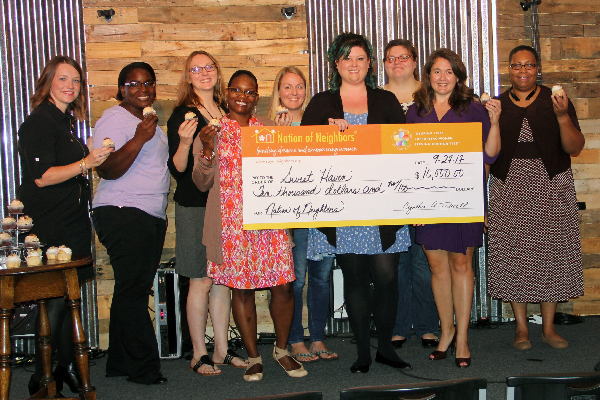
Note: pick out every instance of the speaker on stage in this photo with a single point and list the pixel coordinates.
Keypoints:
(564, 386)
(167, 313)
(458, 389)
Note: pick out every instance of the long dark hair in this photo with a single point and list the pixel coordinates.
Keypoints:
(341, 47)
(44, 84)
(461, 96)
(127, 70)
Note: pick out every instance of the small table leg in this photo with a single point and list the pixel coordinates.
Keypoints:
(45, 349)
(4, 353)
(81, 350)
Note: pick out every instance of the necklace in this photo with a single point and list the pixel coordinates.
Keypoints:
(514, 96)
(219, 108)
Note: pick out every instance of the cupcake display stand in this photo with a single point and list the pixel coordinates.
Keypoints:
(15, 246)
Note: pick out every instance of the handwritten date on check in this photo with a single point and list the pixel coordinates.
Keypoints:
(317, 176)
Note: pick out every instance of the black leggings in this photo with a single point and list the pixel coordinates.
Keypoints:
(359, 271)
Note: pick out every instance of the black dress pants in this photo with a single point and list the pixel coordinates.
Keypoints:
(134, 241)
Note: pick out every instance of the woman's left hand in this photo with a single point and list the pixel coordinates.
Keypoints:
(341, 123)
(283, 119)
(494, 108)
(561, 104)
(98, 156)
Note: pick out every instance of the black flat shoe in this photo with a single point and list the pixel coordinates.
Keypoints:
(363, 369)
(69, 375)
(159, 380)
(430, 342)
(597, 367)
(398, 343)
(394, 364)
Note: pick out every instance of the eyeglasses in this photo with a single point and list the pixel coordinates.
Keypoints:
(402, 58)
(518, 66)
(238, 91)
(137, 85)
(208, 68)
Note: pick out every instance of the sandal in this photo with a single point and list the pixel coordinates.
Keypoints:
(252, 361)
(318, 353)
(228, 360)
(205, 360)
(294, 373)
(295, 357)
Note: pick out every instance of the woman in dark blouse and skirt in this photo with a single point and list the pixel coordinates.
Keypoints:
(55, 191)
(444, 97)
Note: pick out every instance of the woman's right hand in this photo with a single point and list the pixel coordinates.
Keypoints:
(186, 131)
(283, 119)
(147, 128)
(207, 137)
(341, 123)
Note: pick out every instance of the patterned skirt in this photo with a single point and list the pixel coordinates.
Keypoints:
(534, 242)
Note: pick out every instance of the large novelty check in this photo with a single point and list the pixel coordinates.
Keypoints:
(317, 176)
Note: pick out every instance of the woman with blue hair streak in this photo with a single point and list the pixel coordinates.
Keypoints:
(365, 253)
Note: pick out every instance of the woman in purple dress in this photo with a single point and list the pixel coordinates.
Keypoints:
(445, 98)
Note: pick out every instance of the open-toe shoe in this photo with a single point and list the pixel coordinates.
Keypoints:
(294, 373)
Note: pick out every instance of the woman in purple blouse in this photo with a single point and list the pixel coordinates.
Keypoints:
(445, 98)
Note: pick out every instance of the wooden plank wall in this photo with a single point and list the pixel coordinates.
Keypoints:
(241, 34)
(254, 35)
(570, 52)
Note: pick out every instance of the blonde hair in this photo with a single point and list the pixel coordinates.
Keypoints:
(275, 100)
(186, 95)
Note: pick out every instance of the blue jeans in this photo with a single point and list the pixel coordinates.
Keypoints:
(317, 296)
(416, 306)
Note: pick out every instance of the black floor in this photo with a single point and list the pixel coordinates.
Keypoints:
(494, 359)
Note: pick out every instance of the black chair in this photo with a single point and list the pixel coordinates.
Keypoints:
(564, 386)
(457, 389)
(288, 396)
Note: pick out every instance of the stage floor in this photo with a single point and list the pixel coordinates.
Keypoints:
(494, 358)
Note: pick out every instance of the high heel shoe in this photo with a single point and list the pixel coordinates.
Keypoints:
(294, 373)
(440, 355)
(252, 361)
(69, 375)
(466, 360)
(380, 358)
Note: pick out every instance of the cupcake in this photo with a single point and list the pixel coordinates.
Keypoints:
(215, 122)
(189, 116)
(31, 242)
(52, 253)
(64, 254)
(9, 223)
(24, 223)
(280, 110)
(484, 98)
(107, 142)
(13, 261)
(557, 90)
(5, 239)
(34, 258)
(15, 207)
(148, 111)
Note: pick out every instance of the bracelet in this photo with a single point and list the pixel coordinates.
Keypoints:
(209, 158)
(83, 167)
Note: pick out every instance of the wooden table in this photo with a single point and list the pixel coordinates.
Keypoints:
(40, 283)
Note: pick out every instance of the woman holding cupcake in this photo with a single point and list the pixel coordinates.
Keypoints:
(245, 260)
(201, 99)
(130, 219)
(290, 98)
(55, 190)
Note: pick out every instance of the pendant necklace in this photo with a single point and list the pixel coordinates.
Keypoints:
(514, 96)
(219, 108)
